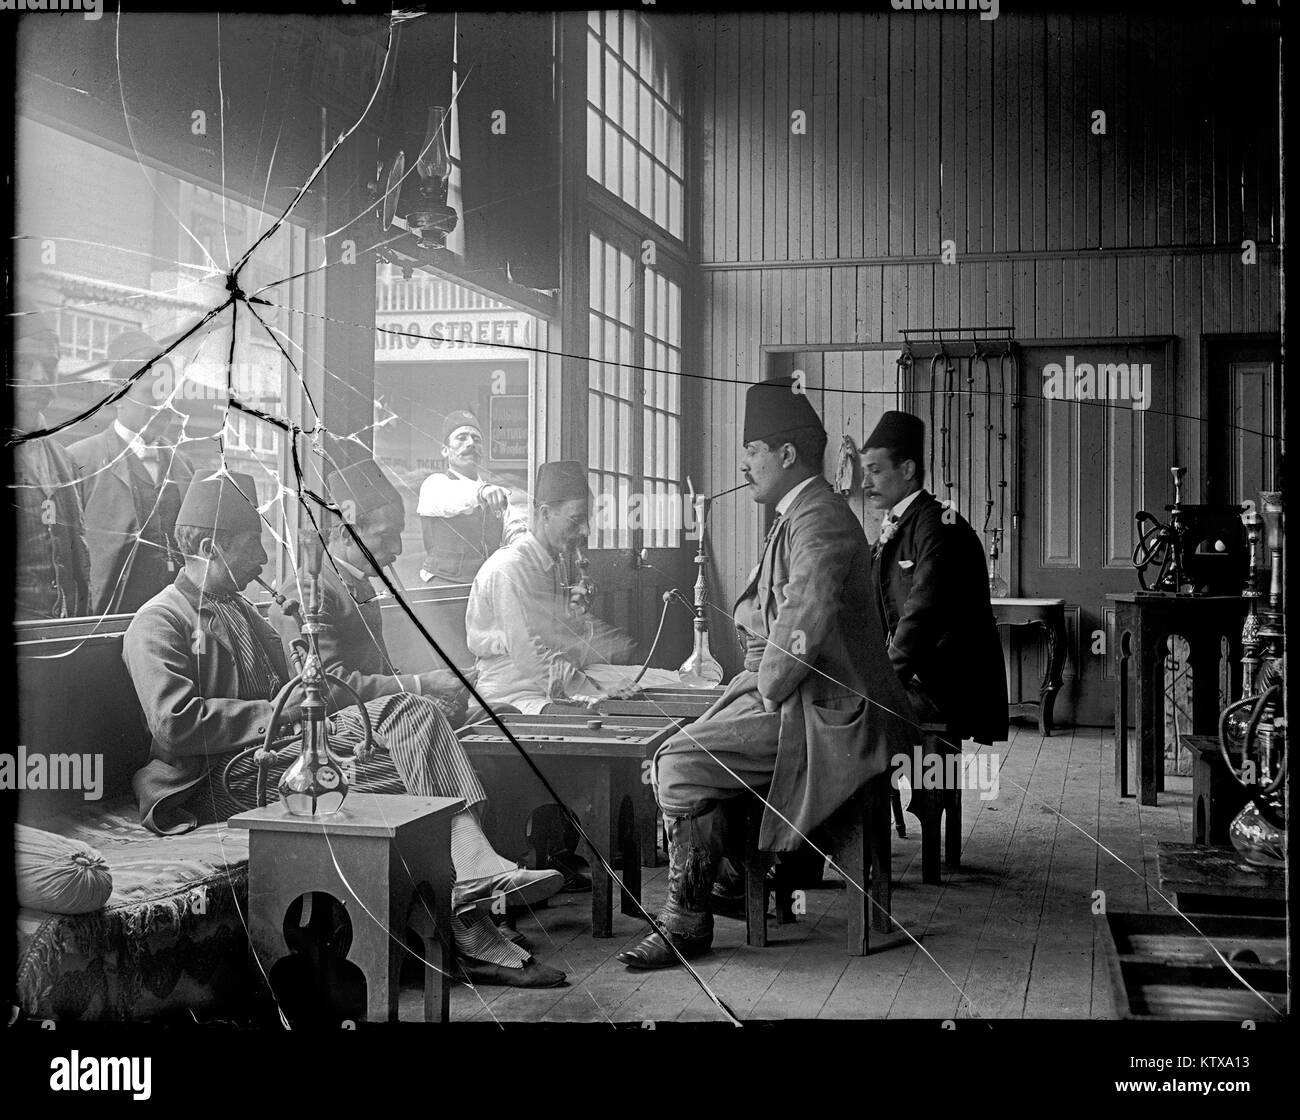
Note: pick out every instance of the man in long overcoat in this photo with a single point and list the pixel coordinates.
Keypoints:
(816, 711)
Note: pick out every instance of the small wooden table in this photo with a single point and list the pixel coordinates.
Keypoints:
(1219, 881)
(679, 706)
(1049, 616)
(604, 762)
(387, 859)
(1144, 623)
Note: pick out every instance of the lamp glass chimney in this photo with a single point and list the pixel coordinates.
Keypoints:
(434, 162)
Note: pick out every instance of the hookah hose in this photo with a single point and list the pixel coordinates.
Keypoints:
(988, 434)
(1260, 702)
(266, 749)
(663, 615)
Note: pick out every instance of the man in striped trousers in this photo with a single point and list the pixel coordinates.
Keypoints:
(205, 666)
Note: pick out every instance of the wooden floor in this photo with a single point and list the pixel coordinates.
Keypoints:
(1011, 934)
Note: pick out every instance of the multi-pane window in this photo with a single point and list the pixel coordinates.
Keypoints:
(661, 414)
(610, 431)
(634, 116)
(86, 336)
(635, 317)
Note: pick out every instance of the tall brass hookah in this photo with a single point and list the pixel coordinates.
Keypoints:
(316, 784)
(1252, 730)
(701, 668)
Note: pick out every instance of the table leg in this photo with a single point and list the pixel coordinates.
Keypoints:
(1054, 629)
(1124, 655)
(602, 830)
(1150, 657)
(630, 834)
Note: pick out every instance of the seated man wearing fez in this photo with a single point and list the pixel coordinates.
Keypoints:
(206, 666)
(133, 479)
(813, 714)
(536, 653)
(460, 514)
(932, 591)
(51, 562)
(417, 706)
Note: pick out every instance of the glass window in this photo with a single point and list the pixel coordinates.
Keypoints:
(635, 114)
(634, 415)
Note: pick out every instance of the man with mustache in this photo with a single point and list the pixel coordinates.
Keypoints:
(51, 562)
(460, 513)
(206, 668)
(932, 592)
(811, 717)
(537, 649)
(133, 480)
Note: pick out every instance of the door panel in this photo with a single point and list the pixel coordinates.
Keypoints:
(1087, 467)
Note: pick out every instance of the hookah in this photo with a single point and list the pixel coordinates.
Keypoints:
(701, 668)
(998, 588)
(1162, 545)
(315, 785)
(1252, 730)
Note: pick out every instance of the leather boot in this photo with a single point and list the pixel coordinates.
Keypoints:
(694, 851)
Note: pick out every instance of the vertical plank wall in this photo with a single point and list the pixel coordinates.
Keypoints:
(925, 127)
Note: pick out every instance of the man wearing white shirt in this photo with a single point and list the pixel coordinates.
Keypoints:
(133, 480)
(460, 513)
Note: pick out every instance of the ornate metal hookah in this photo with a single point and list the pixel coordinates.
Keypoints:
(315, 785)
(1162, 545)
(701, 669)
(1252, 730)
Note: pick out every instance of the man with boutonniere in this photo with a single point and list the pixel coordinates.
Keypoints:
(931, 591)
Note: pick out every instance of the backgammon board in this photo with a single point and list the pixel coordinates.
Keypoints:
(570, 735)
(670, 703)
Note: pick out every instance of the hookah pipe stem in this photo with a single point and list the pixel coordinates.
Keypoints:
(291, 607)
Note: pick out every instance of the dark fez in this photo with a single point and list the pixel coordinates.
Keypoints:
(774, 408)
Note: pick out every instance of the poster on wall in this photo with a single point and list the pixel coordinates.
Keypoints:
(508, 422)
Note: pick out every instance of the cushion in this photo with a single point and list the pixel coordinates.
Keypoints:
(58, 874)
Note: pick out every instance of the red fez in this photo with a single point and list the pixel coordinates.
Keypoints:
(225, 502)
(457, 420)
(773, 408)
(900, 433)
(561, 481)
(364, 485)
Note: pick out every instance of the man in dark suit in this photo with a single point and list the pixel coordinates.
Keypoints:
(132, 482)
(51, 562)
(812, 716)
(932, 591)
(206, 668)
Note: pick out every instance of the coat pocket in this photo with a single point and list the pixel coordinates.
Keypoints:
(839, 713)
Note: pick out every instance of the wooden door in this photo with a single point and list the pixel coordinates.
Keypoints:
(1087, 466)
(1243, 452)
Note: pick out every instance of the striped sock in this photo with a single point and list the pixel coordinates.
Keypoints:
(477, 937)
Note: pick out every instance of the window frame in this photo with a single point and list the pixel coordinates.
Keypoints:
(673, 268)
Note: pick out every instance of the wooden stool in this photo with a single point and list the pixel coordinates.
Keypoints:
(1212, 880)
(930, 805)
(1216, 796)
(866, 848)
(386, 858)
